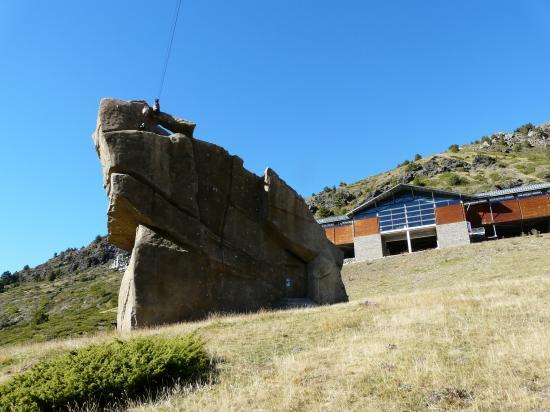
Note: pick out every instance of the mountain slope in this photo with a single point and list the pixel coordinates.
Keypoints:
(501, 160)
(431, 330)
(74, 293)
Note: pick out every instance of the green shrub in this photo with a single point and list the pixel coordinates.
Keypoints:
(526, 168)
(525, 128)
(324, 212)
(417, 157)
(40, 316)
(7, 278)
(454, 180)
(417, 181)
(11, 310)
(53, 275)
(106, 374)
(454, 148)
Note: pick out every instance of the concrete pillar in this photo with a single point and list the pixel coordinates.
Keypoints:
(452, 234)
(368, 247)
(409, 245)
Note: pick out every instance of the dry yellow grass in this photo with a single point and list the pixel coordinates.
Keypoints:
(514, 258)
(452, 329)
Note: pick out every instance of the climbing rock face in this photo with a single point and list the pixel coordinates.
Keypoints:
(206, 235)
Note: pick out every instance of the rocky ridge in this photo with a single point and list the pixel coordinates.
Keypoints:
(99, 253)
(499, 161)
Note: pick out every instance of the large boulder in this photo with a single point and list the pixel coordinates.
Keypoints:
(206, 235)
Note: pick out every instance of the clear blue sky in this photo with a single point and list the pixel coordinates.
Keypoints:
(322, 91)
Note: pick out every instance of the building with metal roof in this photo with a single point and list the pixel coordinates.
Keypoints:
(408, 218)
(403, 187)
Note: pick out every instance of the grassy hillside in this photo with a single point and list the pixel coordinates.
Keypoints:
(499, 161)
(72, 293)
(460, 328)
(84, 302)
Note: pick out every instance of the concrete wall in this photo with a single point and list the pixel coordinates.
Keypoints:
(368, 247)
(452, 234)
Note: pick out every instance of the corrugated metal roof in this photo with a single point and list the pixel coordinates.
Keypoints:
(332, 219)
(514, 190)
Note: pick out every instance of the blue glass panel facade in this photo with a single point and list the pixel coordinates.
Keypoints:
(406, 210)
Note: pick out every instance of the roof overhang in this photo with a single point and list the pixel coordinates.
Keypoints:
(514, 191)
(403, 187)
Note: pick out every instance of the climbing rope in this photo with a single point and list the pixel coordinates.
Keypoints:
(169, 47)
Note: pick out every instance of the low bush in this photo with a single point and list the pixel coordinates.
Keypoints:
(324, 212)
(454, 148)
(418, 181)
(106, 374)
(39, 316)
(526, 128)
(454, 180)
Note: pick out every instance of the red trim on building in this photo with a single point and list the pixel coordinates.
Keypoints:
(365, 227)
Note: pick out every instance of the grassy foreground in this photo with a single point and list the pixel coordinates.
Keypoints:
(464, 328)
(103, 375)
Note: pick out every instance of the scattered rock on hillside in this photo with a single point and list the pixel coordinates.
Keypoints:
(510, 185)
(99, 252)
(539, 136)
(331, 199)
(525, 136)
(483, 161)
(439, 164)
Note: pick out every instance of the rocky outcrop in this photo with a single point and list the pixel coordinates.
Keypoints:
(206, 234)
(510, 185)
(99, 253)
(527, 135)
(483, 161)
(439, 164)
